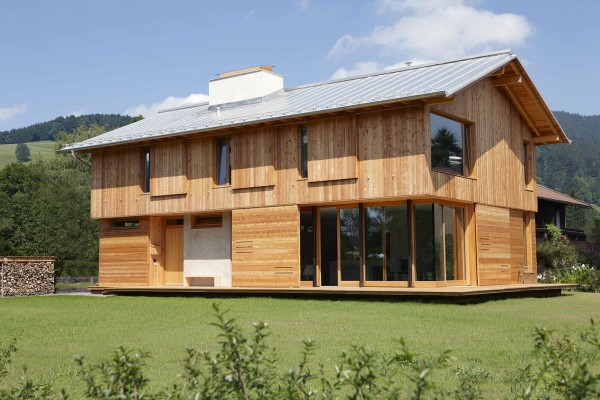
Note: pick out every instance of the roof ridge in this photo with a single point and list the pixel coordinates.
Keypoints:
(391, 71)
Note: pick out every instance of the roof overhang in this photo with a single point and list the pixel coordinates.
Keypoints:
(514, 81)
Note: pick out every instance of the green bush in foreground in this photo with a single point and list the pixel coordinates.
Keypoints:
(244, 368)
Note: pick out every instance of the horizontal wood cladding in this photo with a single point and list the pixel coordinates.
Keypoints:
(517, 246)
(252, 159)
(371, 156)
(168, 168)
(493, 245)
(123, 257)
(265, 247)
(332, 148)
(502, 245)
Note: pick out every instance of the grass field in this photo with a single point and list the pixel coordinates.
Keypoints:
(43, 150)
(491, 339)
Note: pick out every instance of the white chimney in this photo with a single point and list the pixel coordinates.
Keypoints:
(244, 85)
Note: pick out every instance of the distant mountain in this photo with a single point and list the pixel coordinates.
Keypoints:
(49, 129)
(573, 168)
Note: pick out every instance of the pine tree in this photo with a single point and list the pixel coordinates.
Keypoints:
(22, 153)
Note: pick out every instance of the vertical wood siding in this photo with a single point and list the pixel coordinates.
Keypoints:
(369, 156)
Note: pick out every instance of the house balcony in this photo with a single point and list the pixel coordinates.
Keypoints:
(574, 235)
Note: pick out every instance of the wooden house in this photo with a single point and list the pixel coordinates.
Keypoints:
(552, 207)
(418, 177)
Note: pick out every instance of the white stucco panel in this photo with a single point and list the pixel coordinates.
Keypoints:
(207, 252)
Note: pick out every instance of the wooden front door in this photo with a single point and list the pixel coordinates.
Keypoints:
(174, 252)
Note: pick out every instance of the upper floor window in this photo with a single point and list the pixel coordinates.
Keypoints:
(527, 163)
(146, 171)
(303, 152)
(223, 161)
(449, 145)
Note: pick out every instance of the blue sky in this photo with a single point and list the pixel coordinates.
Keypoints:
(78, 56)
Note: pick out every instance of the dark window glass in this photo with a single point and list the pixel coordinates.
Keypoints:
(424, 243)
(222, 161)
(207, 221)
(126, 224)
(526, 162)
(447, 143)
(307, 245)
(350, 244)
(174, 222)
(147, 171)
(303, 152)
(329, 267)
(386, 243)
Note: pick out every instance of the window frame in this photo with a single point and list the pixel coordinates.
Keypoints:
(528, 164)
(219, 141)
(468, 134)
(196, 225)
(146, 155)
(115, 224)
(303, 147)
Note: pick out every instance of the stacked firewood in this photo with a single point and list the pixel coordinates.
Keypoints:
(26, 276)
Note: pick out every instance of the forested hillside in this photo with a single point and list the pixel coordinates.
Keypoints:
(573, 168)
(49, 130)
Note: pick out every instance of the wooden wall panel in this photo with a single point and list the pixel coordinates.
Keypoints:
(332, 149)
(517, 246)
(493, 245)
(265, 247)
(123, 255)
(96, 186)
(252, 159)
(498, 148)
(386, 153)
(168, 168)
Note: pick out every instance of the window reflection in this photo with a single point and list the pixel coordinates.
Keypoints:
(447, 137)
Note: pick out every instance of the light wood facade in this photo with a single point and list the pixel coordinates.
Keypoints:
(360, 158)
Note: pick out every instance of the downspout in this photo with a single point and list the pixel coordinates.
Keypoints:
(87, 164)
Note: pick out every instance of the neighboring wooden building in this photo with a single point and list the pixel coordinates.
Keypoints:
(552, 210)
(418, 177)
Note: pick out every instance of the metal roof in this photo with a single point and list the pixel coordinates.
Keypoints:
(420, 81)
(544, 193)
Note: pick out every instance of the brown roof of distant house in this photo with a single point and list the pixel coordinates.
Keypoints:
(552, 195)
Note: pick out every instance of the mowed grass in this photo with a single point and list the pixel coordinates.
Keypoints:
(42, 150)
(490, 339)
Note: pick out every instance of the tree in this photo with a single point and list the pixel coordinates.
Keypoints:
(444, 145)
(22, 153)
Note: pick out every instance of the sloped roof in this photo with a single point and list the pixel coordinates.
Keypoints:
(552, 195)
(418, 82)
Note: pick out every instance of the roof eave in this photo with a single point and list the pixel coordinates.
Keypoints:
(101, 146)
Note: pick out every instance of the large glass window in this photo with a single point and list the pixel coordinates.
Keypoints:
(307, 245)
(449, 145)
(350, 244)
(329, 265)
(439, 242)
(386, 243)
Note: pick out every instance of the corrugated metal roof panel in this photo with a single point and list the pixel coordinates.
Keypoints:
(419, 81)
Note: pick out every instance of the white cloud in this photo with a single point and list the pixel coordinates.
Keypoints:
(8, 113)
(438, 29)
(367, 67)
(169, 102)
(303, 4)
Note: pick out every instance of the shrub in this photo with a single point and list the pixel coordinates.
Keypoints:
(586, 277)
(244, 368)
(557, 251)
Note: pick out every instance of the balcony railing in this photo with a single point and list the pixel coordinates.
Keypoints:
(574, 235)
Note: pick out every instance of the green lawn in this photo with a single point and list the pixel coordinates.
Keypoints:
(492, 338)
(43, 150)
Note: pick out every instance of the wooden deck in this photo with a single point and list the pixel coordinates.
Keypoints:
(456, 294)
